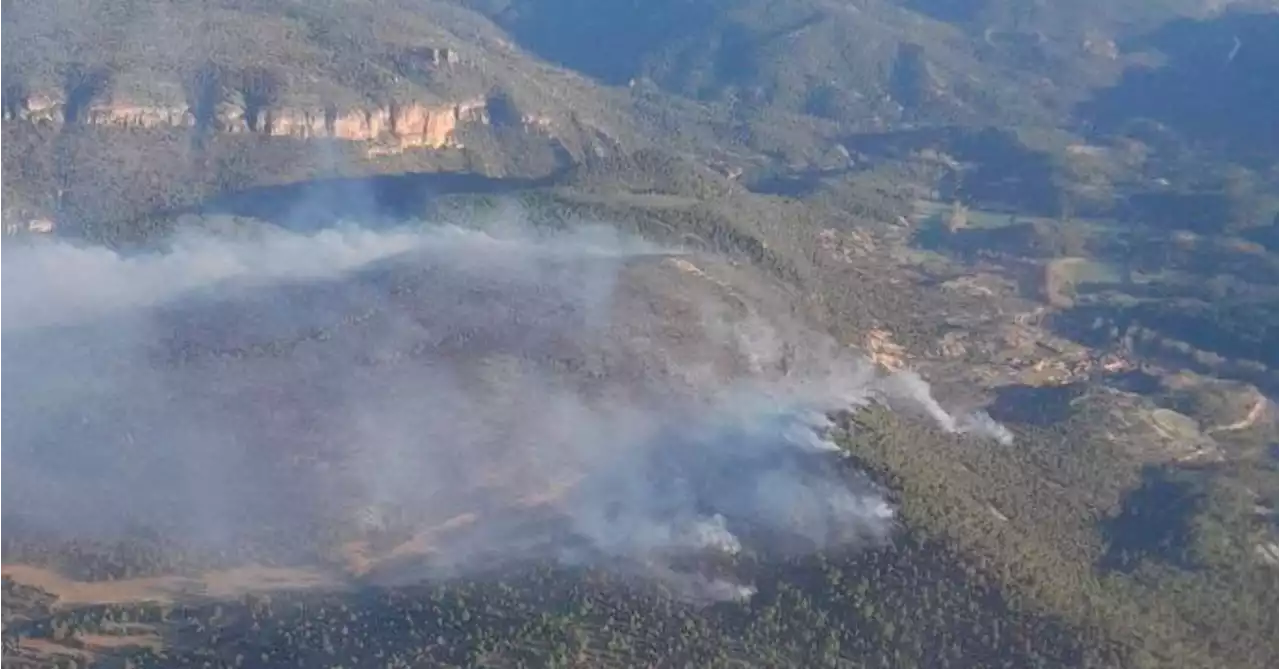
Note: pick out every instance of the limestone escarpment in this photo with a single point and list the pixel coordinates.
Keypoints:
(388, 128)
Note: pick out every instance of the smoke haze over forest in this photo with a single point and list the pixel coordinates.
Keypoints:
(418, 377)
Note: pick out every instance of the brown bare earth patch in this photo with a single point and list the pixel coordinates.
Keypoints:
(1256, 412)
(221, 584)
(421, 543)
(80, 650)
(114, 642)
(43, 652)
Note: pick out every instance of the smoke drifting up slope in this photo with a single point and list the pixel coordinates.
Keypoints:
(448, 395)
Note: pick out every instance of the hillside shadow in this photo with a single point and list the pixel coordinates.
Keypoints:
(316, 204)
(1202, 213)
(795, 184)
(1233, 330)
(1238, 337)
(1154, 522)
(1035, 405)
(1217, 90)
(1006, 174)
(1134, 381)
(608, 41)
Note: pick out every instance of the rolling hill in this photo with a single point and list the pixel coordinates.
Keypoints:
(522, 333)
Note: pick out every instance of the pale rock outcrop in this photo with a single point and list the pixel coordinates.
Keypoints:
(394, 127)
(35, 226)
(536, 121)
(388, 128)
(42, 108)
(139, 116)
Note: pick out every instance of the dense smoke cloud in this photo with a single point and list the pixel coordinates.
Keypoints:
(61, 283)
(462, 395)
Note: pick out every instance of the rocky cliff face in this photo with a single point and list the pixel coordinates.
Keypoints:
(397, 126)
(388, 129)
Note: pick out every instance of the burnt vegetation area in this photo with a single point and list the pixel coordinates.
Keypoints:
(916, 601)
(1062, 550)
(1052, 584)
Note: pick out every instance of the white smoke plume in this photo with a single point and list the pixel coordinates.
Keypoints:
(59, 283)
(466, 395)
(907, 389)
